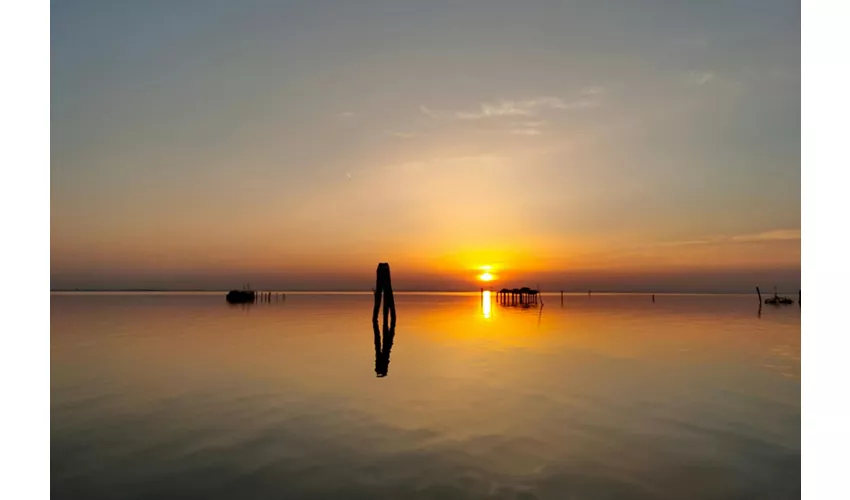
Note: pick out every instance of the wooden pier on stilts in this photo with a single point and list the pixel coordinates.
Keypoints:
(524, 297)
(248, 296)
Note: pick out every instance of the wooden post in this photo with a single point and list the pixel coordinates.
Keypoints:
(653, 298)
(383, 285)
(759, 292)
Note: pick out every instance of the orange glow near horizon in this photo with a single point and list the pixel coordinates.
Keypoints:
(486, 277)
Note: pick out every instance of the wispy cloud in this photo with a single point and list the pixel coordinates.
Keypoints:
(685, 243)
(765, 236)
(448, 161)
(775, 235)
(528, 128)
(710, 79)
(593, 90)
(525, 131)
(700, 78)
(400, 135)
(519, 108)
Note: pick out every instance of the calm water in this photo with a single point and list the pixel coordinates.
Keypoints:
(611, 396)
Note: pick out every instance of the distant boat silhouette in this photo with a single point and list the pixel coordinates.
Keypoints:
(778, 299)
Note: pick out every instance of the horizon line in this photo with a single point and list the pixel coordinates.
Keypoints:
(573, 292)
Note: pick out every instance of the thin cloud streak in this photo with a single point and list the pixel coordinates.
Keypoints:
(400, 135)
(776, 235)
(519, 108)
(765, 236)
(526, 131)
(700, 78)
(593, 90)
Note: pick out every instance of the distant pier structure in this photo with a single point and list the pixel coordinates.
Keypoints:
(241, 297)
(248, 296)
(518, 296)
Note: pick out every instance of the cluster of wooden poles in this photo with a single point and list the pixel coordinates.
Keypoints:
(252, 297)
(517, 296)
(269, 296)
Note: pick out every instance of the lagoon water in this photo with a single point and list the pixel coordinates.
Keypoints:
(167, 395)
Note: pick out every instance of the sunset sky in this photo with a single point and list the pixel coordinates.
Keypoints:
(613, 145)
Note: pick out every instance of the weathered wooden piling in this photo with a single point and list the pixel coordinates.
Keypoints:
(383, 285)
(759, 293)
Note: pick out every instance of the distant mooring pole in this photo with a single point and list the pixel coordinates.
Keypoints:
(562, 298)
(383, 285)
(759, 292)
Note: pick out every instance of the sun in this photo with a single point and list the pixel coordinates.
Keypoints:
(486, 275)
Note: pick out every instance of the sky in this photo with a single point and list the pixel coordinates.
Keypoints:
(591, 144)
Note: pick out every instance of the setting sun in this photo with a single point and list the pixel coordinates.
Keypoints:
(485, 277)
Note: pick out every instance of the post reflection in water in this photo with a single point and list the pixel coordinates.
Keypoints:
(485, 304)
(382, 349)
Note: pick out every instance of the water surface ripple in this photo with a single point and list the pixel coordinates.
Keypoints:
(611, 396)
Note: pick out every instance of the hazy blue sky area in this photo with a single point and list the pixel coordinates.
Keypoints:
(623, 145)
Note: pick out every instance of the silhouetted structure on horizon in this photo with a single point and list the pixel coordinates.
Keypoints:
(241, 297)
(518, 296)
(776, 299)
(248, 296)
